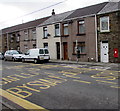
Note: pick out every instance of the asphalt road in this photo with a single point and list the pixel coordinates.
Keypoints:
(55, 86)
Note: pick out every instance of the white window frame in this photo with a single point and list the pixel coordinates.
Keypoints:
(17, 38)
(65, 25)
(81, 24)
(45, 32)
(58, 29)
(108, 28)
(26, 32)
(34, 31)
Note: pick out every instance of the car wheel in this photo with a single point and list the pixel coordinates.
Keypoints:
(35, 61)
(23, 60)
(13, 59)
(5, 59)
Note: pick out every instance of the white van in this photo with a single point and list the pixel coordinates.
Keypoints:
(36, 55)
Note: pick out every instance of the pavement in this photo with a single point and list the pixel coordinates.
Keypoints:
(85, 63)
(4, 106)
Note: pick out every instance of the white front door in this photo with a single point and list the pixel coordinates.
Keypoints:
(104, 52)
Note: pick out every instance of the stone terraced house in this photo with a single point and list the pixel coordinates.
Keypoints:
(108, 21)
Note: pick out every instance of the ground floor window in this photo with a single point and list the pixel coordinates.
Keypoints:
(80, 46)
(34, 45)
(45, 45)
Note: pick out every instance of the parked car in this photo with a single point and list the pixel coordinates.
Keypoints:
(1, 55)
(13, 55)
(36, 55)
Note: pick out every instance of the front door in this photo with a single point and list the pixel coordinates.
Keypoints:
(58, 49)
(65, 46)
(104, 52)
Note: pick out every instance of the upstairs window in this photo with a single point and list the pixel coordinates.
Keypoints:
(81, 27)
(34, 31)
(45, 32)
(57, 30)
(65, 29)
(17, 38)
(104, 24)
(25, 32)
(26, 35)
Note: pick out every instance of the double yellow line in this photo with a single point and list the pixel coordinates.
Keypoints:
(21, 102)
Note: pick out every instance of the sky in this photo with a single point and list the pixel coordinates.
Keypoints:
(15, 12)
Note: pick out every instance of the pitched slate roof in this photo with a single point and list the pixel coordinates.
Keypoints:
(94, 9)
(24, 25)
(56, 18)
(110, 7)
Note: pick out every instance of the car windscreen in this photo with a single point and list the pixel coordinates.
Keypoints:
(46, 51)
(20, 52)
(15, 52)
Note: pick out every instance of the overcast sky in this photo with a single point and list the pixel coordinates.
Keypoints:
(12, 11)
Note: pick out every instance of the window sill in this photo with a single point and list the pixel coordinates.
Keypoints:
(33, 39)
(57, 36)
(80, 34)
(65, 35)
(26, 40)
(45, 38)
(80, 54)
(101, 32)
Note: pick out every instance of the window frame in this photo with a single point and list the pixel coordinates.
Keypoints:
(108, 23)
(81, 23)
(45, 45)
(45, 33)
(65, 25)
(58, 28)
(80, 45)
(26, 38)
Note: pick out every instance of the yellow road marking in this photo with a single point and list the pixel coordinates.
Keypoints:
(82, 81)
(114, 86)
(106, 82)
(21, 102)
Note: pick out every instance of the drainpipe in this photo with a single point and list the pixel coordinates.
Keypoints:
(61, 51)
(96, 38)
(7, 42)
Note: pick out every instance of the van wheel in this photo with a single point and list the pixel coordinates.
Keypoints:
(35, 61)
(46, 60)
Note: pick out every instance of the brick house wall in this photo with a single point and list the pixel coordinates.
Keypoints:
(27, 39)
(89, 38)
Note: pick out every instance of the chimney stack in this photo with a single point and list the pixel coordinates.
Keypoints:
(53, 13)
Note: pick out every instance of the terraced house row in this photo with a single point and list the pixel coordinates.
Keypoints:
(93, 30)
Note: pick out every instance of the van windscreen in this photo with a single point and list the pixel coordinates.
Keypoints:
(41, 51)
(46, 51)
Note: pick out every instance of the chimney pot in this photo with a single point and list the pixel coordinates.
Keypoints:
(53, 13)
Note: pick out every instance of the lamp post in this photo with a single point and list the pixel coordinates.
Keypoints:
(77, 52)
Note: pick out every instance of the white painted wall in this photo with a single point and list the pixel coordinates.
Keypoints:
(51, 40)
